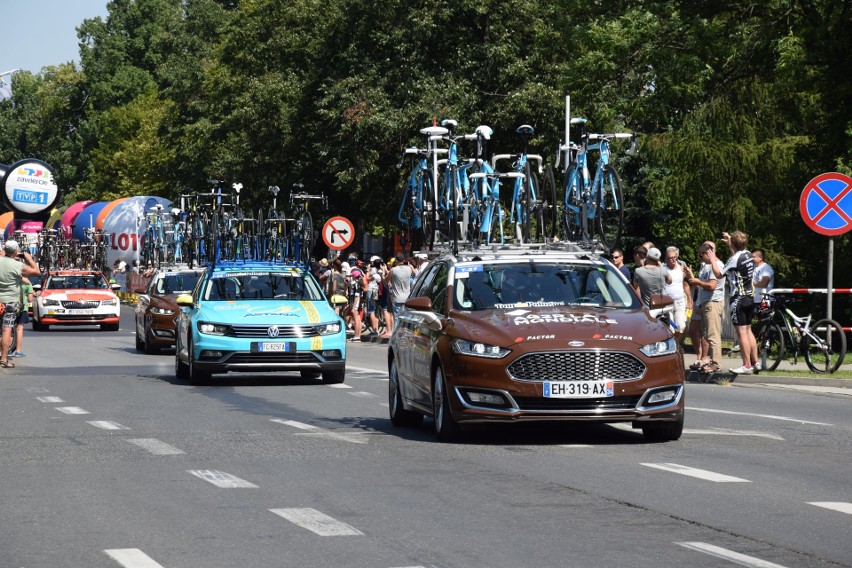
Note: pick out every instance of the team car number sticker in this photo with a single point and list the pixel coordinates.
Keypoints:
(577, 389)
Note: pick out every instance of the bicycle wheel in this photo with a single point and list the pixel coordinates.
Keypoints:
(548, 205)
(572, 209)
(610, 210)
(528, 209)
(306, 240)
(770, 345)
(826, 349)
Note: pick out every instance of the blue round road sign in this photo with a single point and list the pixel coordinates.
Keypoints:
(826, 204)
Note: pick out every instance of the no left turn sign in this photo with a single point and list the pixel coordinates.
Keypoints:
(338, 233)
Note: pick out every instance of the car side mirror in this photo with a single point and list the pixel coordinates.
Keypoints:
(184, 300)
(659, 301)
(423, 304)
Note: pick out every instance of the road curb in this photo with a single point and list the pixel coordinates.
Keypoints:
(696, 377)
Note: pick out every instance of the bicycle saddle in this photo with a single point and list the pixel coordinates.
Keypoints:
(579, 121)
(525, 130)
(484, 131)
(434, 131)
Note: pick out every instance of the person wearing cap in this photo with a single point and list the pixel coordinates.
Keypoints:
(353, 311)
(651, 278)
(421, 261)
(11, 274)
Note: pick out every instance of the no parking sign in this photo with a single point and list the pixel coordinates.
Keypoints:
(338, 233)
(826, 204)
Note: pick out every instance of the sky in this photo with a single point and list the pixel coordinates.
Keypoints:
(36, 33)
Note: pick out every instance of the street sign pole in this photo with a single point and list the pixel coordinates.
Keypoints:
(830, 276)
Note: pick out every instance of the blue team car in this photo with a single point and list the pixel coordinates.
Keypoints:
(258, 317)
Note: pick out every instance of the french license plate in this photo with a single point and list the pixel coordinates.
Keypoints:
(79, 312)
(276, 346)
(578, 389)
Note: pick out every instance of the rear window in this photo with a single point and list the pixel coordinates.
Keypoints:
(506, 285)
(231, 286)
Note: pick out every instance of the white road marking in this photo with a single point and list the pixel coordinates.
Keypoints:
(36, 389)
(772, 416)
(574, 446)
(834, 506)
(49, 399)
(222, 479)
(156, 447)
(339, 386)
(694, 472)
(107, 425)
(363, 394)
(72, 410)
(316, 522)
(309, 429)
(730, 555)
(725, 432)
(132, 558)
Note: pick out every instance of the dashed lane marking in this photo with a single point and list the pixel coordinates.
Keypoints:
(771, 416)
(316, 522)
(834, 506)
(726, 432)
(729, 555)
(156, 447)
(310, 429)
(49, 399)
(698, 473)
(222, 479)
(36, 389)
(72, 410)
(132, 558)
(339, 386)
(363, 394)
(107, 425)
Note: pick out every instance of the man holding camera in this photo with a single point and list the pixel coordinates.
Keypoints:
(11, 273)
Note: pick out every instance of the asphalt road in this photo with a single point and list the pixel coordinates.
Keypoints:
(107, 460)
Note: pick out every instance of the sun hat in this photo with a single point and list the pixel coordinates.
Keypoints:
(324, 262)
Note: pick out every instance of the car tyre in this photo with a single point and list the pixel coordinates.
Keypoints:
(398, 414)
(140, 345)
(663, 431)
(195, 375)
(181, 370)
(446, 427)
(149, 348)
(334, 377)
(109, 327)
(39, 327)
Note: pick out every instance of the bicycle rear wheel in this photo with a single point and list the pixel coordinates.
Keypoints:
(547, 197)
(770, 345)
(610, 211)
(528, 209)
(572, 208)
(825, 353)
(306, 240)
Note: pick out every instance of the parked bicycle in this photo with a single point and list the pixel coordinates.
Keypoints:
(782, 335)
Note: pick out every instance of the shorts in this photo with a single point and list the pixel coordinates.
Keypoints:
(373, 305)
(742, 310)
(397, 307)
(23, 318)
(11, 314)
(679, 315)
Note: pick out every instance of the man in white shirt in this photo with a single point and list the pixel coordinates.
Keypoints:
(764, 275)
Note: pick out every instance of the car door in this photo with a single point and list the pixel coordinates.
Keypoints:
(427, 329)
(404, 333)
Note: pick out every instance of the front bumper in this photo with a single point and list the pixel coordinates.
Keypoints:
(222, 354)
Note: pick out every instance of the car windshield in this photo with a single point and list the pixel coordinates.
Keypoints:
(176, 282)
(506, 285)
(291, 285)
(77, 282)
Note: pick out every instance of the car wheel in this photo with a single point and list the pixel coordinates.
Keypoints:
(196, 375)
(181, 370)
(140, 345)
(109, 327)
(663, 431)
(149, 347)
(39, 326)
(398, 414)
(446, 427)
(333, 377)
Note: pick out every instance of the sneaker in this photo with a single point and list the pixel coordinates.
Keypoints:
(12, 354)
(354, 340)
(19, 354)
(756, 368)
(743, 370)
(735, 349)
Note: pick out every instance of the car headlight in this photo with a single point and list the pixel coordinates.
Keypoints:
(49, 302)
(328, 328)
(212, 328)
(110, 302)
(665, 347)
(476, 349)
(162, 312)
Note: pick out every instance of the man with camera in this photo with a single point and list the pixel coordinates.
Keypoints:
(11, 273)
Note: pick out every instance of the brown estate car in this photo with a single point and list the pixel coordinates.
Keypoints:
(156, 309)
(532, 335)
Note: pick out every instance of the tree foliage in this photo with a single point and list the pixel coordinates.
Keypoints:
(738, 104)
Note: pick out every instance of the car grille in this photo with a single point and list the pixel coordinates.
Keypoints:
(577, 366)
(578, 404)
(72, 305)
(284, 331)
(272, 358)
